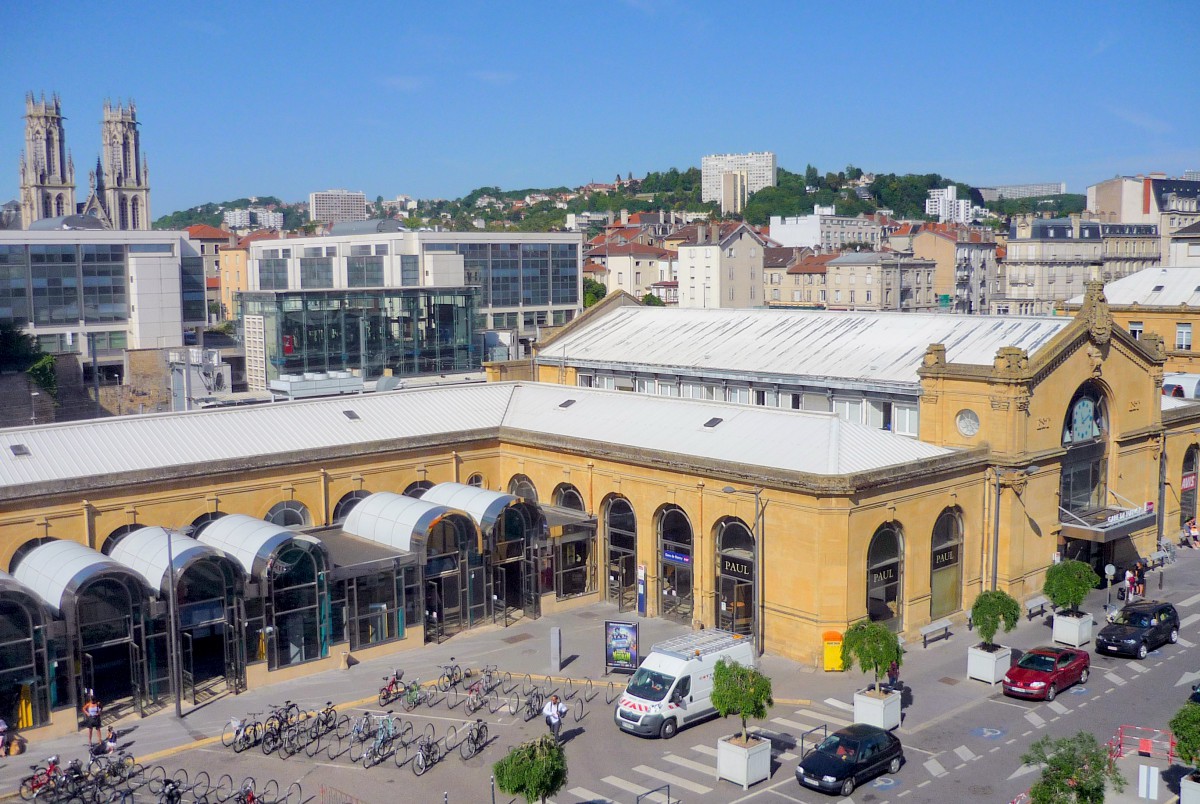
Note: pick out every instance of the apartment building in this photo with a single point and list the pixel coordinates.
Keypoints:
(1048, 261)
(945, 205)
(631, 267)
(722, 269)
(337, 206)
(731, 178)
(1032, 190)
(804, 285)
(869, 280)
(1170, 204)
(964, 260)
(824, 229)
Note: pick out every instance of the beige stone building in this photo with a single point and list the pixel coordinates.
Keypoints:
(870, 280)
(965, 264)
(723, 268)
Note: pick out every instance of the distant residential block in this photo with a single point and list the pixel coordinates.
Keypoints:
(947, 206)
(337, 206)
(1034, 190)
(731, 178)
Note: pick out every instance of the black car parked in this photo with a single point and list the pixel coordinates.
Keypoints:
(849, 757)
(1138, 628)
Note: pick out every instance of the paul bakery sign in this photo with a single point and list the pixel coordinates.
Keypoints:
(737, 568)
(944, 557)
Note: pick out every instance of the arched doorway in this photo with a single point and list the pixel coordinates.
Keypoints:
(295, 578)
(1187, 486)
(945, 565)
(885, 564)
(675, 564)
(521, 486)
(735, 576)
(449, 555)
(346, 505)
(620, 524)
(1083, 485)
(26, 694)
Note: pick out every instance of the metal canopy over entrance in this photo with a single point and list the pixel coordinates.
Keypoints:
(24, 687)
(102, 602)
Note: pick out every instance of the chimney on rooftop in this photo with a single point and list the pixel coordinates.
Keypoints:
(624, 217)
(715, 233)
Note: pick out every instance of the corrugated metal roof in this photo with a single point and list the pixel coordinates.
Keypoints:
(867, 347)
(57, 570)
(807, 442)
(1157, 287)
(145, 551)
(817, 443)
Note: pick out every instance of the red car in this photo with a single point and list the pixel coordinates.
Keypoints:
(1044, 672)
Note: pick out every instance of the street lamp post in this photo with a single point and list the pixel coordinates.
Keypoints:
(759, 624)
(999, 473)
(173, 629)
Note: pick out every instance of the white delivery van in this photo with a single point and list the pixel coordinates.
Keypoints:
(673, 686)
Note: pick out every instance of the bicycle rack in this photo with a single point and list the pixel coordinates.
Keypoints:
(649, 793)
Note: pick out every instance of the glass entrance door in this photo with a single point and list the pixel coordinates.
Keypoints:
(735, 605)
(622, 579)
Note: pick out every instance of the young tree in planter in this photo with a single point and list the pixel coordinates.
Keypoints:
(872, 647)
(742, 690)
(1186, 728)
(535, 769)
(1068, 583)
(990, 610)
(1075, 770)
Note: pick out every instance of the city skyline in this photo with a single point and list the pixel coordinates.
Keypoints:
(243, 101)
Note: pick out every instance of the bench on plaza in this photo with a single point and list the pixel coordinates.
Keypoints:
(1158, 559)
(941, 629)
(1036, 605)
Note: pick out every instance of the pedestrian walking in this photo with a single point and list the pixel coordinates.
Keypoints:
(1140, 571)
(91, 716)
(554, 710)
(1130, 584)
(893, 674)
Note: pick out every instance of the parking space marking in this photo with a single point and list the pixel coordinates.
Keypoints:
(1115, 679)
(636, 789)
(927, 781)
(903, 794)
(1036, 720)
(1185, 643)
(935, 768)
(965, 754)
(588, 796)
(1082, 704)
(691, 764)
(1057, 707)
(672, 779)
(1138, 667)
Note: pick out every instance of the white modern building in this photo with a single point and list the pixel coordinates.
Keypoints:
(79, 288)
(526, 279)
(751, 172)
(253, 218)
(337, 206)
(1023, 190)
(825, 230)
(947, 206)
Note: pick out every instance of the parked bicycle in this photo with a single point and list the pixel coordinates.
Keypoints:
(111, 769)
(393, 687)
(325, 721)
(414, 696)
(428, 753)
(362, 730)
(43, 781)
(386, 732)
(281, 716)
(475, 696)
(533, 703)
(451, 676)
(241, 733)
(475, 739)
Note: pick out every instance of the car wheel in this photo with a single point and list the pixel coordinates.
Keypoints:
(668, 729)
(1083, 677)
(894, 766)
(1174, 637)
(1142, 651)
(848, 786)
(1051, 692)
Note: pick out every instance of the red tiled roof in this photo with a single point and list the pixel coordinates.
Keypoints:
(212, 282)
(261, 234)
(202, 231)
(630, 250)
(816, 264)
(593, 268)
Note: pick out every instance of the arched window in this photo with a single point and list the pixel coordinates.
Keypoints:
(621, 527)
(47, 206)
(1084, 468)
(59, 205)
(136, 213)
(417, 489)
(735, 576)
(25, 550)
(289, 514)
(124, 214)
(567, 496)
(945, 565)
(884, 575)
(117, 535)
(675, 564)
(346, 505)
(201, 522)
(475, 480)
(521, 486)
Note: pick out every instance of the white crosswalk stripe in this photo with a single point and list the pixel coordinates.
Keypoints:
(965, 754)
(1137, 667)
(836, 704)
(636, 789)
(1035, 719)
(1057, 707)
(1188, 620)
(1186, 643)
(1115, 679)
(691, 764)
(588, 796)
(707, 750)
(822, 717)
(669, 778)
(1191, 601)
(935, 768)
(799, 728)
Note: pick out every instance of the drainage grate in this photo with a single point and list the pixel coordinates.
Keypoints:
(587, 615)
(515, 638)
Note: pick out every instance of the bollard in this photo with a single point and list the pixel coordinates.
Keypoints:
(555, 649)
(493, 790)
(1160, 578)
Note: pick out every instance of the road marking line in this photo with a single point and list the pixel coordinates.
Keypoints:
(1054, 719)
(1027, 733)
(1082, 704)
(935, 768)
(1010, 742)
(691, 764)
(1115, 679)
(1191, 601)
(965, 754)
(1186, 643)
(903, 794)
(705, 749)
(1138, 667)
(588, 795)
(922, 784)
(1188, 620)
(822, 717)
(993, 750)
(1034, 718)
(791, 724)
(1057, 707)
(672, 779)
(636, 789)
(836, 704)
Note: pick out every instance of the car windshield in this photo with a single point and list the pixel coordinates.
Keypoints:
(649, 685)
(1036, 661)
(1136, 619)
(840, 746)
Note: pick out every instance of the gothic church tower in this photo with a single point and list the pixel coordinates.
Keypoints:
(47, 171)
(125, 181)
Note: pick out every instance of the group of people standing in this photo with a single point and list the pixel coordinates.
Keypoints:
(1135, 581)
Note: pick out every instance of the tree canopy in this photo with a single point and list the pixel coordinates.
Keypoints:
(1075, 770)
(533, 770)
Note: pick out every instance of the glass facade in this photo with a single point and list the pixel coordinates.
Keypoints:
(411, 331)
(512, 274)
(14, 295)
(365, 272)
(195, 307)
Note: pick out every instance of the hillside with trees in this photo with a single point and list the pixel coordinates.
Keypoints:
(211, 213)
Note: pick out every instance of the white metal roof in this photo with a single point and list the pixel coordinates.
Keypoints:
(817, 443)
(771, 438)
(251, 542)
(818, 344)
(11, 586)
(484, 506)
(1175, 286)
(58, 569)
(395, 520)
(145, 551)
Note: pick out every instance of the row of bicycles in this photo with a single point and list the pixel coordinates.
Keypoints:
(119, 778)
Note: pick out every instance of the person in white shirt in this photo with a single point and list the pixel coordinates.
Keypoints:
(3, 738)
(554, 710)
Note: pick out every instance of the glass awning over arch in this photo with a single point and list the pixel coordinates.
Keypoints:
(58, 570)
(145, 551)
(484, 506)
(12, 589)
(400, 522)
(251, 542)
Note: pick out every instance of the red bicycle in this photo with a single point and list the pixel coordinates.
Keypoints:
(43, 780)
(392, 689)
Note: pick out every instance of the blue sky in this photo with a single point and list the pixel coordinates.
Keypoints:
(433, 100)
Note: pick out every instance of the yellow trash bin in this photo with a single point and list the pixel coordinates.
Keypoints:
(833, 651)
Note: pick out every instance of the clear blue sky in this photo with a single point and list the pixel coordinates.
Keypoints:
(435, 99)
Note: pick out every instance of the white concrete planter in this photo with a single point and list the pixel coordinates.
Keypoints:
(988, 666)
(1073, 631)
(744, 766)
(1189, 791)
(881, 711)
